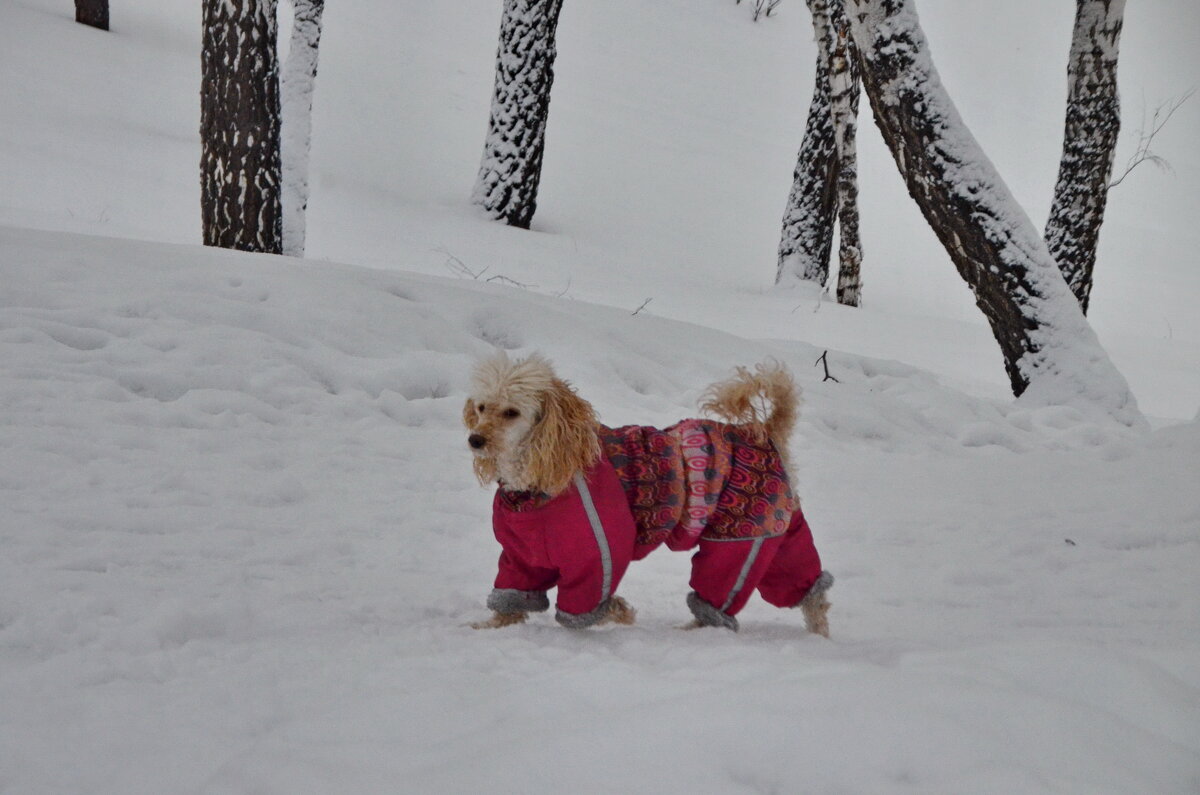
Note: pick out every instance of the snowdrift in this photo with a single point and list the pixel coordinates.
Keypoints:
(242, 544)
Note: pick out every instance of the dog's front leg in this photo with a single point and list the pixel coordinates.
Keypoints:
(499, 619)
(619, 612)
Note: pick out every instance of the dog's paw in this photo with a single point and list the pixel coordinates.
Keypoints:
(620, 612)
(816, 617)
(499, 620)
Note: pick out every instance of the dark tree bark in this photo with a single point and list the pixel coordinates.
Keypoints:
(511, 169)
(239, 126)
(1048, 347)
(1089, 143)
(807, 235)
(92, 12)
(844, 90)
(299, 78)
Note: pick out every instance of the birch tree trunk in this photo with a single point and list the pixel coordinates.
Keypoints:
(807, 234)
(844, 90)
(239, 126)
(1050, 352)
(92, 12)
(511, 168)
(299, 76)
(1089, 143)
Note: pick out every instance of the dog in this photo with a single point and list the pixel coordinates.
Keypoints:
(577, 501)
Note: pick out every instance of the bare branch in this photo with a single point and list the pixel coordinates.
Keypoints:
(460, 268)
(763, 8)
(457, 266)
(513, 282)
(824, 359)
(1162, 114)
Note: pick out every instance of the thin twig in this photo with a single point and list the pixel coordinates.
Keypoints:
(455, 265)
(643, 306)
(1142, 154)
(565, 289)
(513, 282)
(824, 359)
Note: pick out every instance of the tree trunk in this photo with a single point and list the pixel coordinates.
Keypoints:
(92, 12)
(299, 76)
(511, 169)
(844, 89)
(239, 126)
(1089, 143)
(807, 233)
(1049, 349)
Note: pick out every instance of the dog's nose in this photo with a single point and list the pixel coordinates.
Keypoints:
(476, 441)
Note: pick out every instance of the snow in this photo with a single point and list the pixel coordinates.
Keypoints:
(241, 538)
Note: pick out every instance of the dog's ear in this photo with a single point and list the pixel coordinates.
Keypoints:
(564, 440)
(468, 414)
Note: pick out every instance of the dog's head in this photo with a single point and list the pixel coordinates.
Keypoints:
(526, 427)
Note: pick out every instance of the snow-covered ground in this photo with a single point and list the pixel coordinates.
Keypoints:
(239, 538)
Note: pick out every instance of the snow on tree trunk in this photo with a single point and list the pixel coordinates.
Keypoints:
(92, 12)
(299, 75)
(807, 233)
(1089, 143)
(843, 90)
(239, 126)
(511, 168)
(1051, 354)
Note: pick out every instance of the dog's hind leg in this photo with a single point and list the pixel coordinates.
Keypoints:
(816, 614)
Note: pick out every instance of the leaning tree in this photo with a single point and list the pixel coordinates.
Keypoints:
(239, 126)
(511, 169)
(1050, 352)
(1089, 143)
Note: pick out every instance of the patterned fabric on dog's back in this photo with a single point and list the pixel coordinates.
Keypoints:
(756, 498)
(699, 479)
(650, 468)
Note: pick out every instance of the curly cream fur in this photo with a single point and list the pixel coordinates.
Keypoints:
(766, 402)
(552, 436)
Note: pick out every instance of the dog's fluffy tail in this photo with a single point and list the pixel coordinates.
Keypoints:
(766, 402)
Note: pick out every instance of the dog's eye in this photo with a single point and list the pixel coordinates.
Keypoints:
(480, 408)
(511, 414)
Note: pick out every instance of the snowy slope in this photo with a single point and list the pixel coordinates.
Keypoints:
(239, 539)
(242, 544)
(672, 139)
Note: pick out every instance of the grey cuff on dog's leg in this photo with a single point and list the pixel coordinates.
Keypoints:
(510, 600)
(583, 620)
(817, 590)
(709, 616)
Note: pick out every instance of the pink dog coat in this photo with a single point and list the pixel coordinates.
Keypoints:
(581, 541)
(699, 485)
